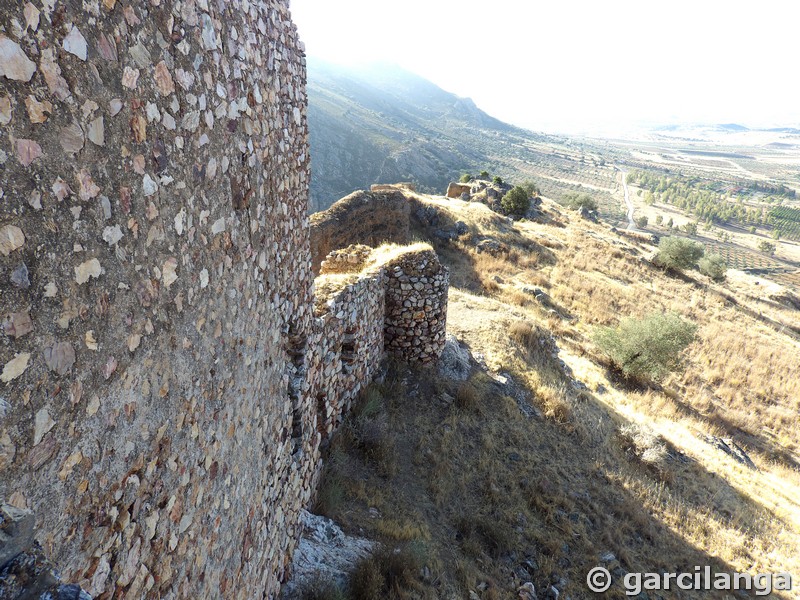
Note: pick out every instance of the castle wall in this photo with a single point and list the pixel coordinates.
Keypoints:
(361, 218)
(165, 378)
(154, 265)
(348, 349)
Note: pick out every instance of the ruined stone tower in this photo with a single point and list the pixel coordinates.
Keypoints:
(155, 285)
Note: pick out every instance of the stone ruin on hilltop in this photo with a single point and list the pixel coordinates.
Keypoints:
(166, 376)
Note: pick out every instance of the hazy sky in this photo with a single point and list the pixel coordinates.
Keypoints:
(573, 66)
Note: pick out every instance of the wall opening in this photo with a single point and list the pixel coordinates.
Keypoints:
(322, 414)
(295, 347)
(297, 433)
(349, 350)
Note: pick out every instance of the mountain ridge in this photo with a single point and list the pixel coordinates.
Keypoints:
(382, 124)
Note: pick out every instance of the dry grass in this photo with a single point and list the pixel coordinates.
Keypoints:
(608, 468)
(388, 252)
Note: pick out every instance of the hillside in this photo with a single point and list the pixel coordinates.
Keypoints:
(531, 460)
(381, 124)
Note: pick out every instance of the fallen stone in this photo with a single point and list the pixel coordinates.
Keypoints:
(324, 553)
(455, 362)
(527, 592)
(491, 246)
(729, 447)
(16, 532)
(454, 190)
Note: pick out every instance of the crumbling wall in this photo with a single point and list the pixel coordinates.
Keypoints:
(347, 350)
(346, 260)
(154, 269)
(360, 218)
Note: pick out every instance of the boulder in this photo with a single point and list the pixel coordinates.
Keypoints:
(455, 362)
(491, 246)
(454, 190)
(527, 592)
(324, 553)
(729, 447)
(16, 532)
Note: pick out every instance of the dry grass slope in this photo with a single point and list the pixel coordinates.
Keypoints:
(486, 498)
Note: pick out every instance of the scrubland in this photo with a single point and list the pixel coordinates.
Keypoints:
(479, 486)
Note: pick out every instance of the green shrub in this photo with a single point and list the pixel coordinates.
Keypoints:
(516, 202)
(713, 265)
(577, 201)
(498, 180)
(767, 247)
(678, 253)
(484, 175)
(641, 222)
(532, 189)
(648, 348)
(466, 178)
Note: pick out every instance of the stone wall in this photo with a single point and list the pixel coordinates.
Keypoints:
(347, 350)
(154, 269)
(346, 260)
(416, 306)
(166, 378)
(361, 218)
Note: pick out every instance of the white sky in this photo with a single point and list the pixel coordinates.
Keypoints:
(580, 65)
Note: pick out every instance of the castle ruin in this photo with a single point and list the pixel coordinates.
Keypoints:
(166, 373)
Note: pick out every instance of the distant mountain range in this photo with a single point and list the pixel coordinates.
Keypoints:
(382, 124)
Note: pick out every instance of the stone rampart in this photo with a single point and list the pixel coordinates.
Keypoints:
(166, 376)
(154, 270)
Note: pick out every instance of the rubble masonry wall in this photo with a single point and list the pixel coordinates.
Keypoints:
(165, 380)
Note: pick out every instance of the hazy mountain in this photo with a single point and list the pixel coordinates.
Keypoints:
(381, 124)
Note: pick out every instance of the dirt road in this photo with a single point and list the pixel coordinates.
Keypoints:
(628, 203)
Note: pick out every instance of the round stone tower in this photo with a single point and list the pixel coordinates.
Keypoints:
(416, 306)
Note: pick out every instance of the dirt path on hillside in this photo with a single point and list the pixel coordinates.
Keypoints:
(628, 203)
